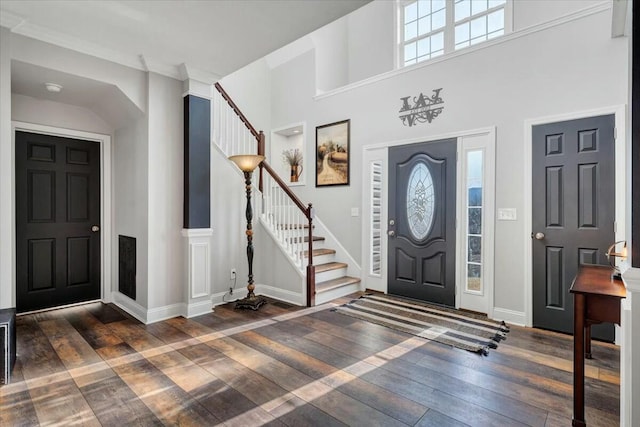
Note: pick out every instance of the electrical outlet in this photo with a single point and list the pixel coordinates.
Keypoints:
(233, 273)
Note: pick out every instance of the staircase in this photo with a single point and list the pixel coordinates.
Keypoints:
(331, 276)
(318, 256)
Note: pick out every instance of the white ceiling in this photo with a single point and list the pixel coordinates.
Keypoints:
(212, 36)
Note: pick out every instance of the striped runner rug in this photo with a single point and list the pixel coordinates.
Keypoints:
(460, 329)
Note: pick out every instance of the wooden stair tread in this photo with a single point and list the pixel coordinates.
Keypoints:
(319, 252)
(330, 266)
(335, 283)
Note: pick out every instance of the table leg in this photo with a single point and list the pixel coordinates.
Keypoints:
(587, 342)
(578, 359)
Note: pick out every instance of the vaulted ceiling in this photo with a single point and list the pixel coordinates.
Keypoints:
(213, 36)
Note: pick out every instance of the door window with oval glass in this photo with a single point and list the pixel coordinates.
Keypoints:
(420, 201)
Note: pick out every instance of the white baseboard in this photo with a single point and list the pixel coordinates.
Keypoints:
(160, 313)
(296, 298)
(509, 316)
(166, 312)
(224, 297)
(198, 308)
(130, 306)
(266, 290)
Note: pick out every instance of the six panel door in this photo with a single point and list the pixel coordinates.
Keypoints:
(573, 213)
(57, 221)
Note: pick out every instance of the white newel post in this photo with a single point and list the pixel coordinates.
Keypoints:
(630, 351)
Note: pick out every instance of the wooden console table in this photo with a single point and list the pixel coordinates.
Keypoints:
(596, 298)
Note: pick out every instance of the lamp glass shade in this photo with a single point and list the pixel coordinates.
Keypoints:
(247, 162)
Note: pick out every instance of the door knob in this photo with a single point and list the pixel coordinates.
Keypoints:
(95, 228)
(391, 233)
(539, 236)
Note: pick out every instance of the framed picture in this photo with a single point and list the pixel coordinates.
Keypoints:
(332, 154)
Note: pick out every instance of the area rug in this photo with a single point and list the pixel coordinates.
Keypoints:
(460, 329)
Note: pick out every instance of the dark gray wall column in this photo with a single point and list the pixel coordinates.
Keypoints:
(197, 162)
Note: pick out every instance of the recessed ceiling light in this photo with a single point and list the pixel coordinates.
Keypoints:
(53, 87)
(296, 131)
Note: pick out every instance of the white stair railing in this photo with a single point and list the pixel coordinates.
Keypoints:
(285, 221)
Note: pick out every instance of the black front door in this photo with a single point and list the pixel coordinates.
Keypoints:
(422, 218)
(573, 213)
(57, 221)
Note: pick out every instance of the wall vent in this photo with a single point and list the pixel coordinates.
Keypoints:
(127, 266)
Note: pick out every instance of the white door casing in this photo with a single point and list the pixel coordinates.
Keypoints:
(105, 198)
(483, 139)
(621, 213)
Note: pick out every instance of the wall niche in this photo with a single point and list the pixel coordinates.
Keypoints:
(288, 153)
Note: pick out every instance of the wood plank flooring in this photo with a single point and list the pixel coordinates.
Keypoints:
(283, 365)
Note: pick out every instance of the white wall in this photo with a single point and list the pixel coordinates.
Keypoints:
(371, 40)
(166, 274)
(250, 89)
(131, 82)
(527, 13)
(130, 199)
(7, 290)
(561, 69)
(50, 113)
(229, 242)
(332, 61)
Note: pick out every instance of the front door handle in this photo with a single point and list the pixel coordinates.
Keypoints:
(391, 233)
(539, 236)
(95, 228)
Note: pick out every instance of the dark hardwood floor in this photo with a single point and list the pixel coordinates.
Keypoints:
(94, 365)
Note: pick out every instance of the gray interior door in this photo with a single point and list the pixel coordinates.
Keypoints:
(57, 205)
(422, 204)
(573, 213)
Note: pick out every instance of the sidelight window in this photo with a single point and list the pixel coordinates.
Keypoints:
(474, 230)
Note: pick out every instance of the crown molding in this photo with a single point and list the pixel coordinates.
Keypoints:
(153, 66)
(10, 21)
(18, 25)
(188, 72)
(47, 35)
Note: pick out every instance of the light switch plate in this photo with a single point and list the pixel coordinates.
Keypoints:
(355, 212)
(507, 214)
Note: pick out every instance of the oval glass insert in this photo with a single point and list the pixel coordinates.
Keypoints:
(420, 201)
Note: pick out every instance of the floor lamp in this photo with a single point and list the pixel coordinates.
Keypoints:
(247, 164)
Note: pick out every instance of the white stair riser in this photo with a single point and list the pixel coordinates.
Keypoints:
(334, 293)
(331, 274)
(321, 259)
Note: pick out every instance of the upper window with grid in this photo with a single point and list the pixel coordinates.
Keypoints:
(433, 27)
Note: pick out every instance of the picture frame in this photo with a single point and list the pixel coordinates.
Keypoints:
(333, 154)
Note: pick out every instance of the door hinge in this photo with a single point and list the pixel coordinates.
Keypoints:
(615, 133)
(615, 227)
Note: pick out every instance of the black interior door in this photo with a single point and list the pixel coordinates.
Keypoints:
(422, 217)
(57, 221)
(573, 213)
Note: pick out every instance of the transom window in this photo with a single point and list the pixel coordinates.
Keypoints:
(430, 28)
